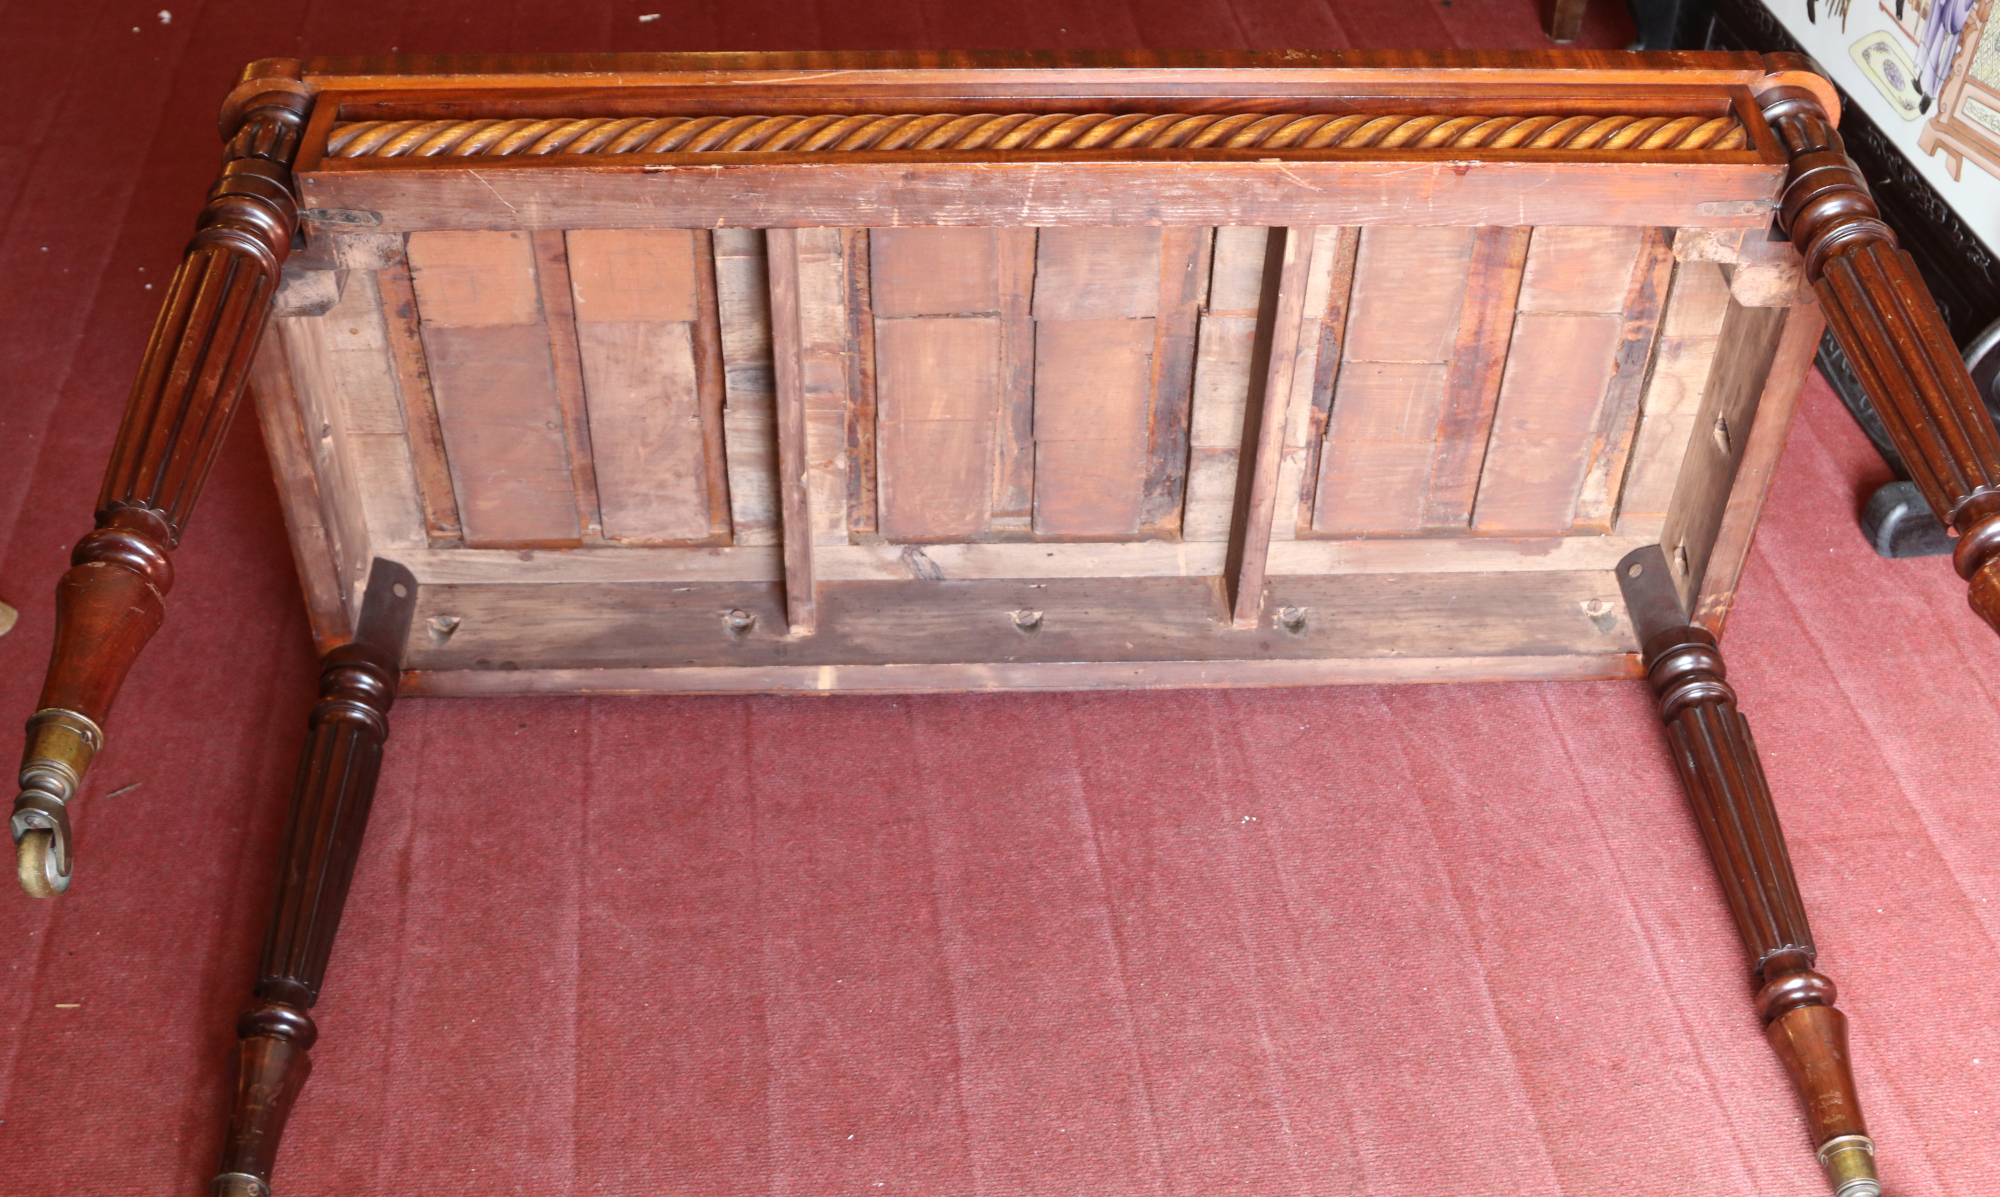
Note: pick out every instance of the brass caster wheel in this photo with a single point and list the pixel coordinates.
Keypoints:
(35, 863)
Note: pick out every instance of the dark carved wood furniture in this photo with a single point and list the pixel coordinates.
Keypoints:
(841, 372)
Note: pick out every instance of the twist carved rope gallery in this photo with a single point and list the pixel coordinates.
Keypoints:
(1022, 131)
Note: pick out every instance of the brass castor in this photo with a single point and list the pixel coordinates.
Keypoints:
(35, 864)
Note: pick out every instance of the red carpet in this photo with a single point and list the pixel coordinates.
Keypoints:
(1428, 941)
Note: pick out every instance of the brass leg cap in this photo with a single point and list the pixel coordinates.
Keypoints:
(1849, 1161)
(238, 1184)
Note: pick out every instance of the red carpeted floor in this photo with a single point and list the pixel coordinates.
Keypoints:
(1433, 941)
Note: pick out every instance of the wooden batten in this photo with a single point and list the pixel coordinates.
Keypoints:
(743, 318)
(791, 421)
(1265, 415)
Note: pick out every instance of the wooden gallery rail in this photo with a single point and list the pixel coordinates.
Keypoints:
(873, 372)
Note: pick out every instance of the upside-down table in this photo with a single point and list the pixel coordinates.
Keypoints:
(917, 372)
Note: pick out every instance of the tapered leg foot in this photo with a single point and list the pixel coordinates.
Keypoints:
(329, 810)
(1731, 800)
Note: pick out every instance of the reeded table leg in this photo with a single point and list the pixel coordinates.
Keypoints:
(109, 603)
(330, 801)
(1732, 802)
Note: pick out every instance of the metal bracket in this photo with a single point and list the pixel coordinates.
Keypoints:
(1651, 599)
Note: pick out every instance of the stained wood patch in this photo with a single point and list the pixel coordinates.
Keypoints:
(1092, 398)
(1472, 381)
(1222, 379)
(1611, 447)
(1183, 281)
(1096, 304)
(938, 378)
(1410, 286)
(1565, 351)
(1014, 432)
(937, 384)
(494, 379)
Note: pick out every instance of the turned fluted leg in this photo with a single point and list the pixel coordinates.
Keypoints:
(1725, 785)
(109, 603)
(1888, 326)
(329, 810)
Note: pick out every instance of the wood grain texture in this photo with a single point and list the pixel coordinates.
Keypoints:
(404, 334)
(558, 311)
(743, 319)
(1472, 380)
(934, 271)
(1689, 330)
(470, 279)
(937, 387)
(1791, 365)
(646, 429)
(1183, 283)
(1097, 274)
(860, 368)
(1410, 288)
(1093, 391)
(711, 386)
(624, 275)
(1557, 369)
(795, 524)
(495, 385)
(1222, 380)
(1420, 194)
(1745, 349)
(1014, 429)
(1288, 266)
(502, 424)
(825, 357)
(1618, 416)
(923, 621)
(297, 482)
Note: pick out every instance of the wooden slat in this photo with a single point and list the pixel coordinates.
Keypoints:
(1572, 336)
(788, 385)
(1419, 189)
(1472, 382)
(743, 316)
(1410, 287)
(1580, 269)
(1227, 344)
(495, 386)
(1335, 251)
(297, 482)
(1618, 420)
(420, 418)
(1014, 431)
(1557, 370)
(934, 271)
(1673, 395)
(937, 385)
(1745, 349)
(621, 275)
(861, 484)
(475, 278)
(502, 422)
(921, 621)
(1182, 284)
(558, 309)
(710, 385)
(824, 359)
(1791, 365)
(645, 422)
(1098, 273)
(1310, 423)
(1287, 272)
(1093, 382)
